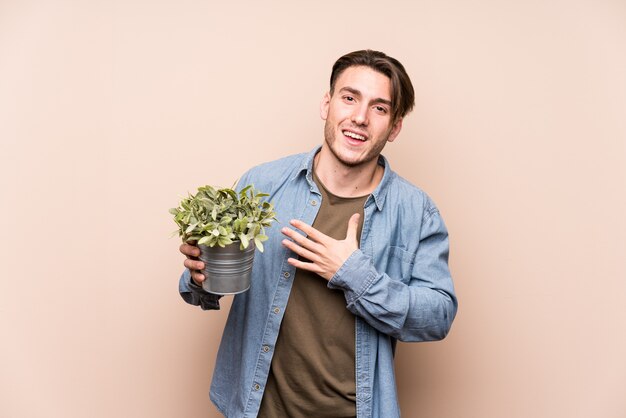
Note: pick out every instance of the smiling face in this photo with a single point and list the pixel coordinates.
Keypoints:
(358, 116)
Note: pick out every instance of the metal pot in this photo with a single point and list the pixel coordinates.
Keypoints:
(227, 270)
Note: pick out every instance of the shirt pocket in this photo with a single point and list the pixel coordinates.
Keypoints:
(400, 264)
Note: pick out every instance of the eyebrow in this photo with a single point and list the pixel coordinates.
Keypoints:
(358, 93)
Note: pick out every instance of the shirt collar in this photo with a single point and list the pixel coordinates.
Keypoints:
(378, 195)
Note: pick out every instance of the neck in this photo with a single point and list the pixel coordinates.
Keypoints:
(347, 181)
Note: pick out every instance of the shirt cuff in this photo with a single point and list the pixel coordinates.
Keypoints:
(197, 296)
(354, 276)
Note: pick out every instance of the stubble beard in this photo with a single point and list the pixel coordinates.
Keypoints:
(329, 136)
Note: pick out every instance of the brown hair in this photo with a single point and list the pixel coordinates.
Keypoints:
(402, 94)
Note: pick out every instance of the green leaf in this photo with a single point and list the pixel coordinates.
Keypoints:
(258, 244)
(231, 193)
(204, 240)
(223, 241)
(244, 190)
(244, 240)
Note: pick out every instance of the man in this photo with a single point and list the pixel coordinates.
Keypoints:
(364, 263)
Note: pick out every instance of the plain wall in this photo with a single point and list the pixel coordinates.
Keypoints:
(111, 111)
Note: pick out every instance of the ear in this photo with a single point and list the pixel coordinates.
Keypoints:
(395, 130)
(324, 106)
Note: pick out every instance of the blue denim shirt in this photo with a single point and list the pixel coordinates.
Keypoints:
(397, 284)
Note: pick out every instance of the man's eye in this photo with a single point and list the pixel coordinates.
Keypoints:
(381, 109)
(349, 98)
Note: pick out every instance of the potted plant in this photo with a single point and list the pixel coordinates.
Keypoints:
(227, 227)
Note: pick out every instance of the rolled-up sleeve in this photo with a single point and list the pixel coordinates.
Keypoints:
(195, 295)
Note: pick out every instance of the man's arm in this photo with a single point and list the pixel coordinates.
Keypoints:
(422, 310)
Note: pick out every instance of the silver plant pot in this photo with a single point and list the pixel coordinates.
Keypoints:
(227, 270)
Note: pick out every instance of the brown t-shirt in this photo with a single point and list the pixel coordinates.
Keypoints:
(313, 367)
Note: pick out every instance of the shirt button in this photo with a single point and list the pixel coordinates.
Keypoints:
(286, 275)
(276, 310)
(266, 348)
(256, 386)
(314, 202)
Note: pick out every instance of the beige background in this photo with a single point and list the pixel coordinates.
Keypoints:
(110, 111)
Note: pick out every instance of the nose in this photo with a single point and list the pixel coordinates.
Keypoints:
(359, 115)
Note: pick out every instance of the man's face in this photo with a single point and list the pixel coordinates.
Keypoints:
(358, 116)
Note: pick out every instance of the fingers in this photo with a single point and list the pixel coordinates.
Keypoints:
(305, 242)
(353, 227)
(305, 266)
(311, 232)
(301, 251)
(193, 264)
(197, 277)
(189, 250)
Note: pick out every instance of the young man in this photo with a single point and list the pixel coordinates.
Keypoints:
(364, 263)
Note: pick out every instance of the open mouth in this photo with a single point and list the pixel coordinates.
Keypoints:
(354, 135)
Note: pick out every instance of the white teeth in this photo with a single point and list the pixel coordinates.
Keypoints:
(353, 135)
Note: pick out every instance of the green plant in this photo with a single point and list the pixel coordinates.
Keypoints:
(219, 217)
